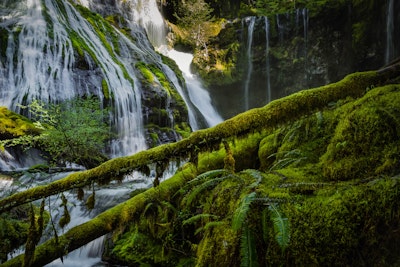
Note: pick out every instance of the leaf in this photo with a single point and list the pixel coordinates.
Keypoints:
(248, 250)
(208, 225)
(241, 212)
(198, 217)
(256, 175)
(200, 188)
(281, 227)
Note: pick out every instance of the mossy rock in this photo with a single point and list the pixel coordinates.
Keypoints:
(14, 125)
(366, 138)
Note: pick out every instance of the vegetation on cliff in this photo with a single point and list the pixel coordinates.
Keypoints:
(340, 38)
(73, 131)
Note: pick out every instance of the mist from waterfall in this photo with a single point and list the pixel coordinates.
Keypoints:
(267, 63)
(250, 29)
(199, 97)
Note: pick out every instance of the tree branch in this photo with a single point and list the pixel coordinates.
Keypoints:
(276, 112)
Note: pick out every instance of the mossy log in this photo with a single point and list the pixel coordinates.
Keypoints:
(106, 222)
(282, 110)
(276, 112)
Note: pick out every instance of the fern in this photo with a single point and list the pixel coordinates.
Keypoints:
(289, 157)
(248, 250)
(281, 227)
(207, 175)
(200, 188)
(264, 223)
(241, 212)
(208, 226)
(198, 217)
(257, 175)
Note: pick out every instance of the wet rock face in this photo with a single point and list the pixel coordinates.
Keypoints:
(297, 50)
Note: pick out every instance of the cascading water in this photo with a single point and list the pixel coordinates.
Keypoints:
(33, 67)
(145, 13)
(305, 28)
(250, 29)
(198, 96)
(389, 53)
(267, 64)
(40, 64)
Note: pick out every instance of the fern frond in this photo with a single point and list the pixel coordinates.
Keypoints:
(208, 175)
(241, 212)
(294, 156)
(208, 225)
(200, 188)
(169, 206)
(198, 217)
(148, 206)
(257, 175)
(281, 227)
(264, 223)
(248, 250)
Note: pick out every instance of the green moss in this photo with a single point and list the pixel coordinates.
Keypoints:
(147, 74)
(15, 125)
(106, 90)
(366, 137)
(331, 223)
(190, 216)
(14, 229)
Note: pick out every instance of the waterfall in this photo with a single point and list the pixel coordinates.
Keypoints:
(33, 66)
(389, 32)
(40, 64)
(305, 36)
(281, 28)
(138, 13)
(199, 97)
(250, 30)
(267, 67)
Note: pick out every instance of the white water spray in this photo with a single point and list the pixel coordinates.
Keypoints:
(250, 30)
(305, 27)
(198, 96)
(267, 67)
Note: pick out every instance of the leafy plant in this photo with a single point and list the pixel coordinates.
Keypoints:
(241, 212)
(248, 248)
(72, 131)
(281, 227)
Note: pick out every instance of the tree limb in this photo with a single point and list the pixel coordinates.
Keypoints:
(276, 112)
(105, 222)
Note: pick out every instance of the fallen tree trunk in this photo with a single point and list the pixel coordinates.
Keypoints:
(278, 111)
(105, 222)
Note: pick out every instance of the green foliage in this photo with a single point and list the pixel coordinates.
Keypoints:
(72, 131)
(248, 250)
(13, 125)
(65, 218)
(281, 227)
(240, 214)
(194, 16)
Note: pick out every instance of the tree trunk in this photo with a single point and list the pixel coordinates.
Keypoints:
(267, 117)
(106, 222)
